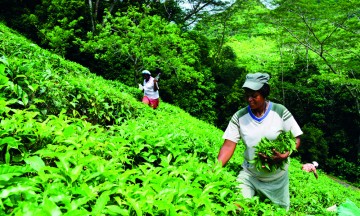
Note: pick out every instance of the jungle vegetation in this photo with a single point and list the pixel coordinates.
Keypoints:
(311, 50)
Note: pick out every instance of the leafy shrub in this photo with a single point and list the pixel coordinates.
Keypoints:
(78, 146)
(344, 169)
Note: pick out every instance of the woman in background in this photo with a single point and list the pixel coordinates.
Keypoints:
(151, 90)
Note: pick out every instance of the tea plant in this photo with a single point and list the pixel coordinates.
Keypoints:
(285, 142)
(80, 145)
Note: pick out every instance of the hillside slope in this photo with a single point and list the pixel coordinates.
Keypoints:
(73, 143)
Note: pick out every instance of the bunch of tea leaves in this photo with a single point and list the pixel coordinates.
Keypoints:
(283, 143)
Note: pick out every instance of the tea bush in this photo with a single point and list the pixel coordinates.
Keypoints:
(73, 143)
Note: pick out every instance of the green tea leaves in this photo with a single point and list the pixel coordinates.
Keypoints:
(285, 142)
(35, 162)
(77, 144)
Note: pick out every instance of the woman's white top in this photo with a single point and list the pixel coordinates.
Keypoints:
(149, 89)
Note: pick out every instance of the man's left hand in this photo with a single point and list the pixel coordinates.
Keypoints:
(278, 157)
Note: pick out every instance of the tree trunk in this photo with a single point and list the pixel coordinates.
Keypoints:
(91, 16)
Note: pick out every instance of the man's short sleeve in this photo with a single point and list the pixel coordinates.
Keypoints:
(232, 131)
(290, 124)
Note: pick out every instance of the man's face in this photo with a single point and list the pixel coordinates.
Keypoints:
(254, 98)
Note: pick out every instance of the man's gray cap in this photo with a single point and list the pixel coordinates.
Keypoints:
(256, 80)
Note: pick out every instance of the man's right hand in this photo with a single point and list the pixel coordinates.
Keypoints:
(226, 151)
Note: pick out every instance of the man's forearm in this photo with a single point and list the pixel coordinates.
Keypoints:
(226, 152)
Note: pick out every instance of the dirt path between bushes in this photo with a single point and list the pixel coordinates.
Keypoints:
(345, 184)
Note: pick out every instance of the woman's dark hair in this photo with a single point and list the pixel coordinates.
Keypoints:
(265, 90)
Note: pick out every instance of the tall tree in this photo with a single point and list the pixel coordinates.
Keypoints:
(328, 32)
(131, 41)
(195, 10)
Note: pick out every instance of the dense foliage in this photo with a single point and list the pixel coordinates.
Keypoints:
(306, 51)
(310, 49)
(285, 142)
(73, 143)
